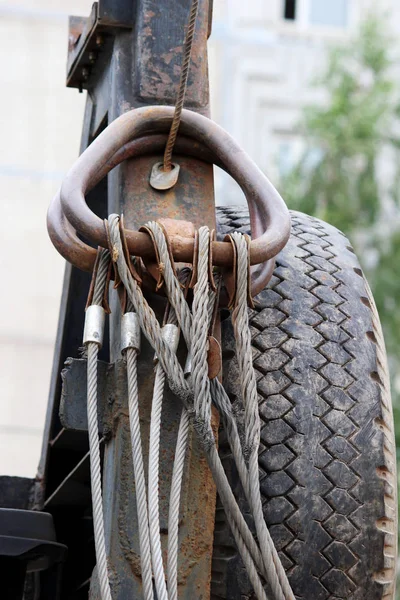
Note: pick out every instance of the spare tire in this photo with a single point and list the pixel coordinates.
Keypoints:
(327, 454)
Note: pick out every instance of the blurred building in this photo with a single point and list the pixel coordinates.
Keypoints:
(263, 54)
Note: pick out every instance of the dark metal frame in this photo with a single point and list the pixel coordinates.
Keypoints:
(126, 54)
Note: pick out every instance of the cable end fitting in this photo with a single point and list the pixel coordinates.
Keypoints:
(170, 334)
(187, 371)
(94, 325)
(130, 332)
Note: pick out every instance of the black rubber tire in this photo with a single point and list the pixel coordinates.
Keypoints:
(327, 457)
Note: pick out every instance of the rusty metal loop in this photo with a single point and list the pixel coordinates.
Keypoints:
(82, 256)
(212, 144)
(65, 239)
(269, 216)
(61, 232)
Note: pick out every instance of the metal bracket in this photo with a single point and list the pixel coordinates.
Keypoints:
(73, 414)
(89, 39)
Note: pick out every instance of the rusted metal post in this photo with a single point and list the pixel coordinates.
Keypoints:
(128, 60)
(146, 71)
(127, 54)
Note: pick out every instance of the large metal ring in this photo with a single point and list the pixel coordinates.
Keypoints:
(61, 232)
(270, 221)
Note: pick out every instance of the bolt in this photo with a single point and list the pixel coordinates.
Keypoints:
(92, 57)
(99, 41)
(85, 74)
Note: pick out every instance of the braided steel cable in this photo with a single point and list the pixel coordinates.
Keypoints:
(153, 484)
(174, 289)
(93, 430)
(148, 320)
(185, 318)
(199, 332)
(250, 552)
(174, 504)
(196, 328)
(177, 478)
(138, 469)
(171, 332)
(180, 387)
(182, 86)
(277, 577)
(273, 570)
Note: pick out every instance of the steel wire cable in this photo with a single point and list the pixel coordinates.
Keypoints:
(153, 483)
(180, 387)
(97, 497)
(248, 383)
(153, 470)
(94, 445)
(182, 86)
(138, 469)
(174, 504)
(274, 571)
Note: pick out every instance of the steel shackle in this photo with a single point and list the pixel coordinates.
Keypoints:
(137, 132)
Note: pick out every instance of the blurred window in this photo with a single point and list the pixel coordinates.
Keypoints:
(292, 153)
(312, 158)
(285, 158)
(328, 12)
(289, 11)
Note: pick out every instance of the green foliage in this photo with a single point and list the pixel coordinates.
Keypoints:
(350, 130)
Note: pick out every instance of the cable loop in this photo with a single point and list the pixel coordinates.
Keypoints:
(197, 393)
(92, 347)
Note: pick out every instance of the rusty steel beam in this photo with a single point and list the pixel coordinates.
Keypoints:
(127, 62)
(145, 67)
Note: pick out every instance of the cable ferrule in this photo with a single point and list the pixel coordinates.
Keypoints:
(94, 325)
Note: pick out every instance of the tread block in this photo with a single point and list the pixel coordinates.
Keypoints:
(276, 458)
(340, 528)
(270, 338)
